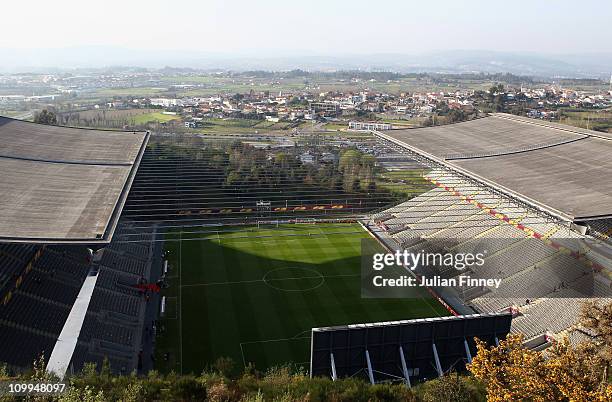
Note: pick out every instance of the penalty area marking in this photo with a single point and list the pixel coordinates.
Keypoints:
(174, 300)
(242, 344)
(299, 334)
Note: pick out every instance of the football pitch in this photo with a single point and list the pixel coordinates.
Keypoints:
(253, 294)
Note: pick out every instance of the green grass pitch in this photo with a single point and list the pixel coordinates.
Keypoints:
(253, 294)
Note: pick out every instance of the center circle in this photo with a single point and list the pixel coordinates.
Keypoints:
(297, 279)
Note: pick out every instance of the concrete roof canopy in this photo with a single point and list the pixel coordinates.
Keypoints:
(62, 184)
(564, 168)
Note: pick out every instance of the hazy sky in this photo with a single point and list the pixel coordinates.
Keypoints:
(313, 26)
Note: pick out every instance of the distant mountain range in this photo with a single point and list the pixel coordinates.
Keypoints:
(588, 65)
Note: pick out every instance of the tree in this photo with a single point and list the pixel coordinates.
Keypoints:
(511, 372)
(349, 159)
(45, 117)
(576, 372)
(232, 178)
(452, 388)
(456, 115)
(282, 159)
(597, 317)
(368, 161)
(497, 97)
(496, 90)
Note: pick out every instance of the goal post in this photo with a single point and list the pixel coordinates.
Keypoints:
(276, 223)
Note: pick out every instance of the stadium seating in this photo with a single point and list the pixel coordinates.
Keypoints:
(105, 300)
(117, 281)
(114, 322)
(41, 284)
(122, 262)
(21, 347)
(537, 319)
(42, 296)
(466, 217)
(34, 313)
(13, 259)
(94, 329)
(91, 354)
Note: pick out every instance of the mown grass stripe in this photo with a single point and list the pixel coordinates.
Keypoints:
(231, 305)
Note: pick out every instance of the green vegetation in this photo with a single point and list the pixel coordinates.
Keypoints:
(357, 170)
(131, 92)
(409, 182)
(405, 123)
(154, 117)
(45, 117)
(337, 126)
(259, 81)
(593, 119)
(240, 173)
(216, 384)
(254, 294)
(240, 126)
(114, 118)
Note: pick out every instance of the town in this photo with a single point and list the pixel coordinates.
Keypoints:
(257, 102)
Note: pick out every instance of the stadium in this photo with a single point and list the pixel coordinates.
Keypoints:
(138, 248)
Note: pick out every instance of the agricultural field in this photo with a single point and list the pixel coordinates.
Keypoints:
(134, 92)
(404, 123)
(210, 85)
(204, 85)
(596, 119)
(114, 118)
(253, 294)
(241, 126)
(337, 126)
(405, 85)
(153, 117)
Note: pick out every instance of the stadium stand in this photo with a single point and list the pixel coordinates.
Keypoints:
(602, 229)
(532, 161)
(68, 185)
(403, 350)
(542, 284)
(64, 190)
(115, 321)
(39, 305)
(36, 300)
(536, 162)
(480, 137)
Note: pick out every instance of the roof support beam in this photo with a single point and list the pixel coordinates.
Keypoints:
(334, 375)
(468, 354)
(437, 360)
(370, 371)
(404, 367)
